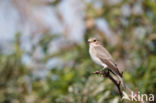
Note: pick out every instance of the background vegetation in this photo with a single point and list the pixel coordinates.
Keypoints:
(128, 31)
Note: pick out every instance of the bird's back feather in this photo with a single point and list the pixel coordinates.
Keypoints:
(106, 58)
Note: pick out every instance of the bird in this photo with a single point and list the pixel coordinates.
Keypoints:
(103, 58)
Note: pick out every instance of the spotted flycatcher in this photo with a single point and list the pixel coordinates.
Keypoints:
(103, 58)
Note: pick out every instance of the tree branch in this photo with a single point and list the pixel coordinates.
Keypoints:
(107, 74)
(117, 84)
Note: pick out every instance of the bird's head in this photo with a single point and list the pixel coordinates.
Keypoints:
(93, 41)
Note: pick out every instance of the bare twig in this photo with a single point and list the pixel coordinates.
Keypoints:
(111, 78)
(108, 75)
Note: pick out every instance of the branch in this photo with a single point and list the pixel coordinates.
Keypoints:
(107, 74)
(117, 84)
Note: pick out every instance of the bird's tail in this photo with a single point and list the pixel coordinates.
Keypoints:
(122, 82)
(120, 79)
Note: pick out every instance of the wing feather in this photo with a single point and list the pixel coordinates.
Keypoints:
(106, 58)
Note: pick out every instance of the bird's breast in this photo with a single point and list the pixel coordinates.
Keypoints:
(94, 57)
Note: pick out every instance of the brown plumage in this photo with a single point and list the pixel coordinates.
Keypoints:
(106, 58)
(103, 58)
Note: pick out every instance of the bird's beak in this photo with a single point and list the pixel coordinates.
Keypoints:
(89, 42)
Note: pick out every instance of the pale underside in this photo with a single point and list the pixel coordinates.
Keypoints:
(102, 57)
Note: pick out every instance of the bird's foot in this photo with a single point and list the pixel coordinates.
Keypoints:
(102, 72)
(105, 71)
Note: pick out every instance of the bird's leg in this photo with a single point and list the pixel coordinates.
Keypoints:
(105, 70)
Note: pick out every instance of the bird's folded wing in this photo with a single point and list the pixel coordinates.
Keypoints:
(106, 58)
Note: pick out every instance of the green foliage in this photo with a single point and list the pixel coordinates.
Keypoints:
(73, 82)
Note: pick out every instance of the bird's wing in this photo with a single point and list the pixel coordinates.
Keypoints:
(106, 58)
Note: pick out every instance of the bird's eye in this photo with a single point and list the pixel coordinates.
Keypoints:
(94, 40)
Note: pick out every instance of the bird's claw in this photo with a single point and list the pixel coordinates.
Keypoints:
(106, 71)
